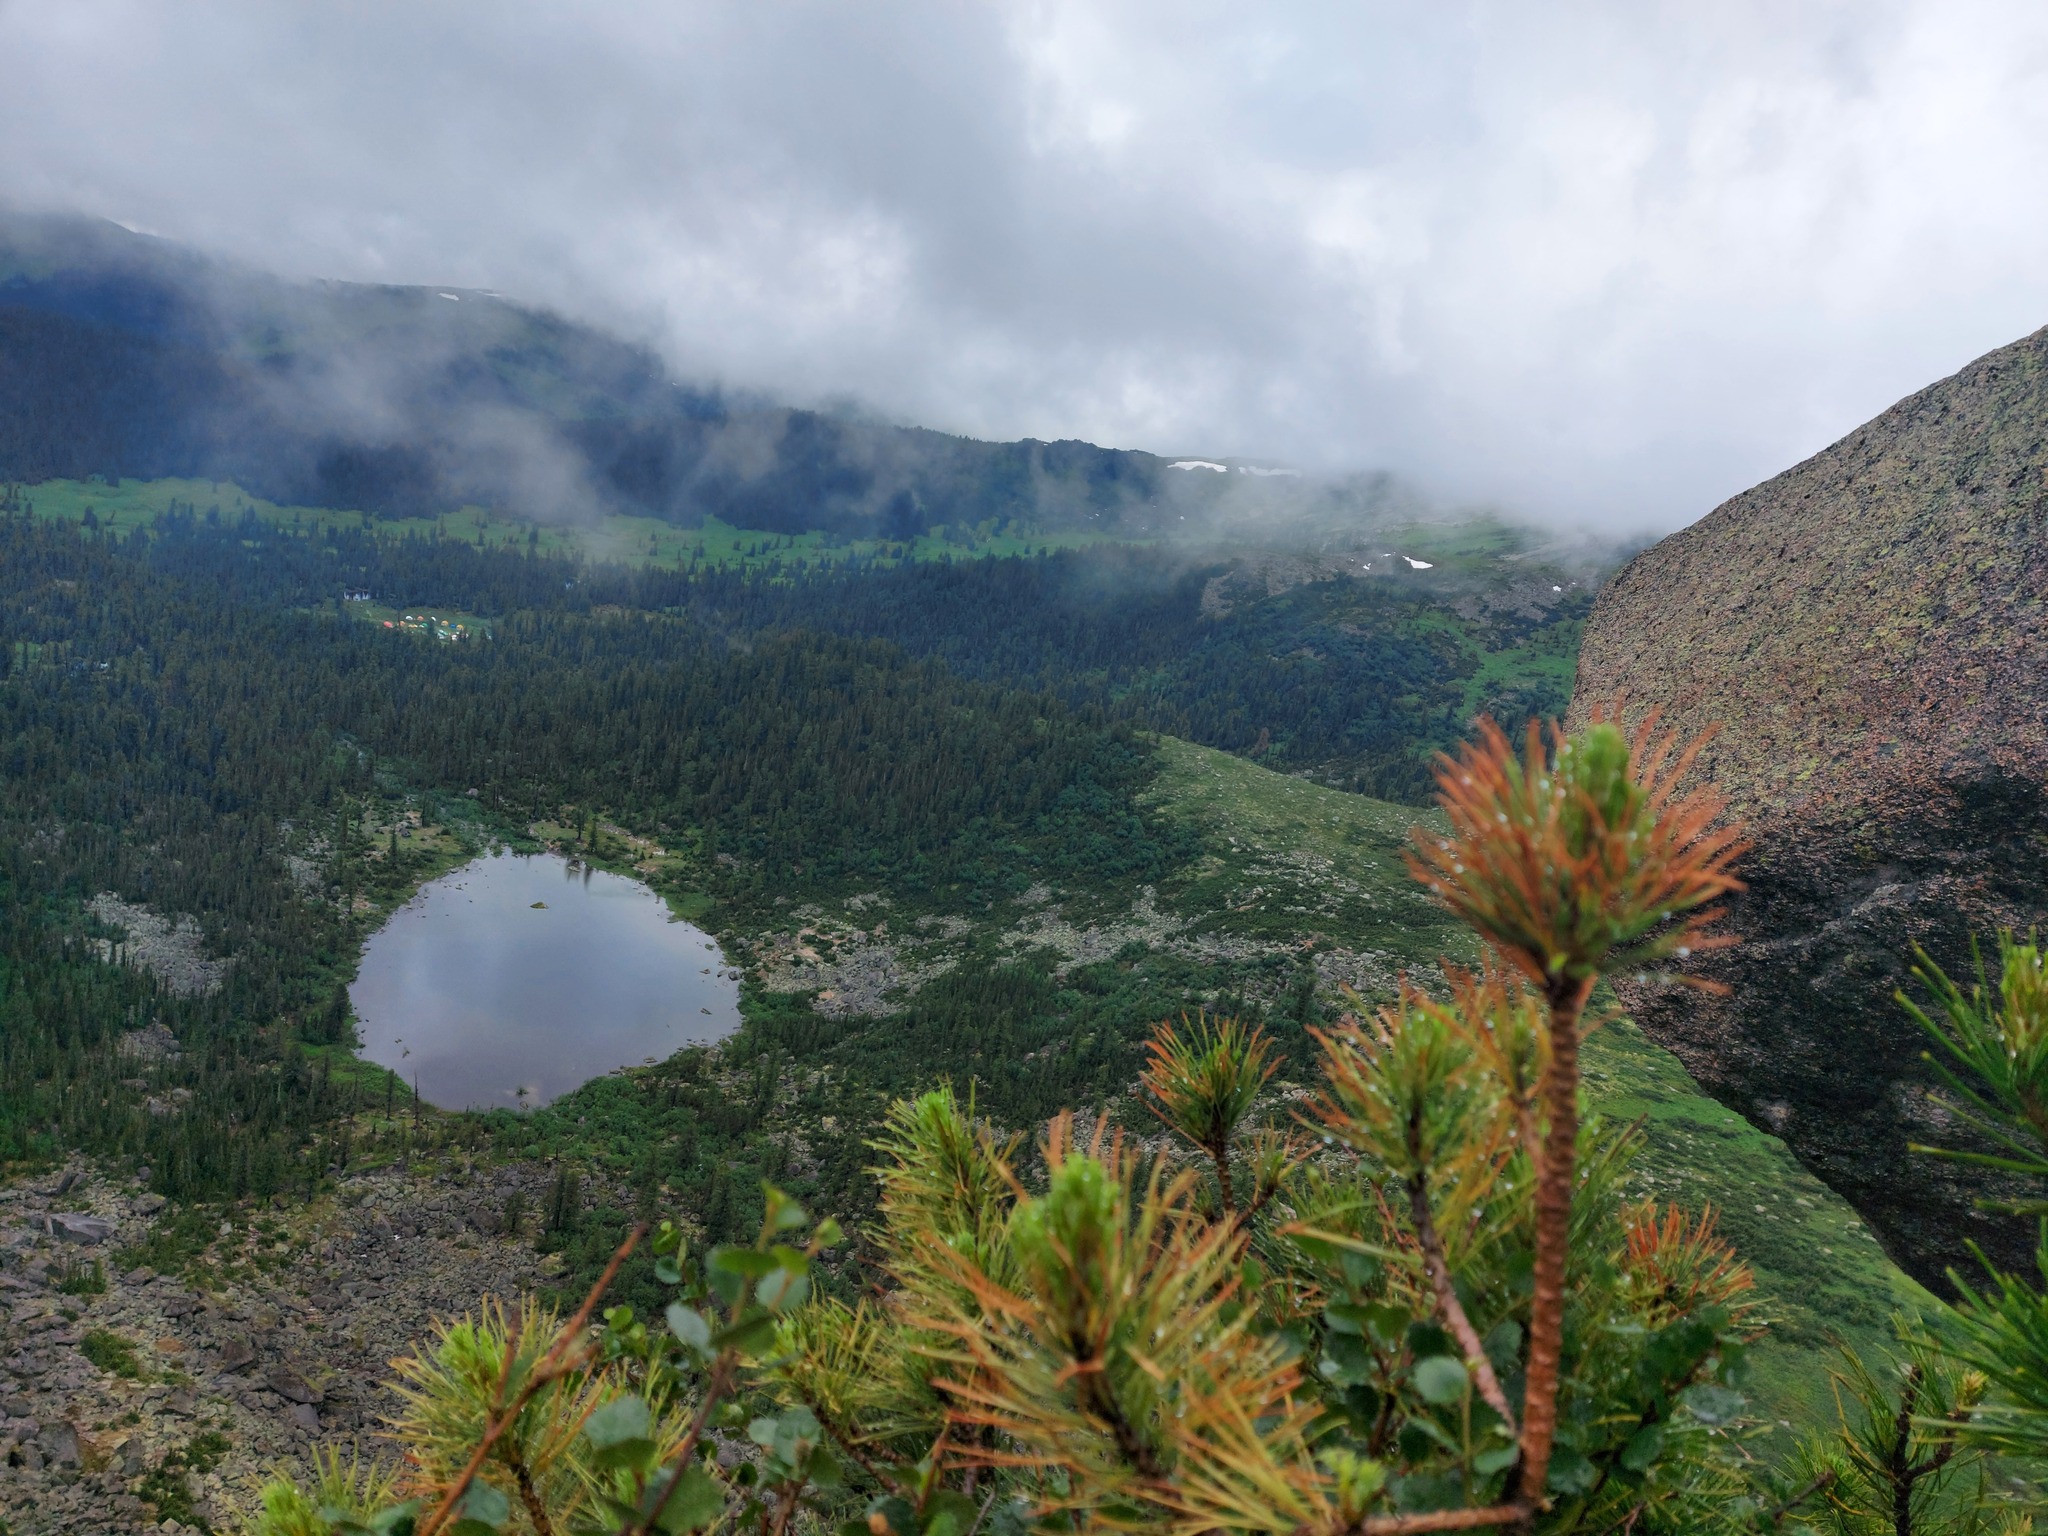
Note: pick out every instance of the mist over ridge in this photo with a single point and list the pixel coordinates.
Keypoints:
(1611, 265)
(134, 356)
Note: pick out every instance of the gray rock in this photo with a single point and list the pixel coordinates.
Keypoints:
(147, 1205)
(290, 1384)
(182, 1403)
(139, 1276)
(59, 1442)
(237, 1355)
(152, 1044)
(306, 1417)
(79, 1227)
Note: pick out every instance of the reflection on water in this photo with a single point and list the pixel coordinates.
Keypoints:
(517, 977)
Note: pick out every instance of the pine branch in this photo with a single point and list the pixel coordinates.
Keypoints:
(1450, 1307)
(1553, 1236)
(570, 1353)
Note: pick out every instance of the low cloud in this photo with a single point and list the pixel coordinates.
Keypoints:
(1600, 261)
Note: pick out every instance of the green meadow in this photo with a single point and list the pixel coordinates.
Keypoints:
(131, 504)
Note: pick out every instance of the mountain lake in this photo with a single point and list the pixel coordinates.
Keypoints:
(508, 982)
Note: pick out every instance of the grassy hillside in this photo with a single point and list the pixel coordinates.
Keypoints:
(132, 504)
(1285, 856)
(1043, 1001)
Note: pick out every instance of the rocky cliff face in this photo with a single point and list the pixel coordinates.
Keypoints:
(1868, 629)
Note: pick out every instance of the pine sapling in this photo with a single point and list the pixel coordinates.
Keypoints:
(1577, 857)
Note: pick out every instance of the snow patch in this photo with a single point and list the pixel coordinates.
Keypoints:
(1417, 565)
(1221, 469)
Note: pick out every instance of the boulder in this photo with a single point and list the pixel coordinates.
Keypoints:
(80, 1227)
(59, 1443)
(236, 1355)
(289, 1384)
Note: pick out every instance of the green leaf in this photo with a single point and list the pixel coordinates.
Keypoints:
(749, 1335)
(668, 1271)
(728, 1285)
(1734, 1362)
(1711, 1404)
(1426, 1339)
(956, 1511)
(1346, 1361)
(1499, 1459)
(688, 1324)
(896, 1510)
(1643, 1448)
(784, 1214)
(1360, 1269)
(625, 1418)
(1388, 1325)
(783, 1291)
(1362, 1403)
(750, 1262)
(485, 1505)
(1418, 1439)
(696, 1503)
(1441, 1379)
(828, 1234)
(1570, 1472)
(1503, 1344)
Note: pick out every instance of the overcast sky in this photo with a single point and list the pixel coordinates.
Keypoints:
(1601, 261)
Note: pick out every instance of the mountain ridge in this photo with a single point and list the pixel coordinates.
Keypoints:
(395, 400)
(1867, 631)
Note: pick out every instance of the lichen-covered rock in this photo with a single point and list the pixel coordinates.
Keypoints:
(79, 1227)
(1868, 630)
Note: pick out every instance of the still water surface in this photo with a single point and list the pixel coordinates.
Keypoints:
(479, 993)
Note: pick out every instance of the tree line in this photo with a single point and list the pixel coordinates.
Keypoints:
(198, 743)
